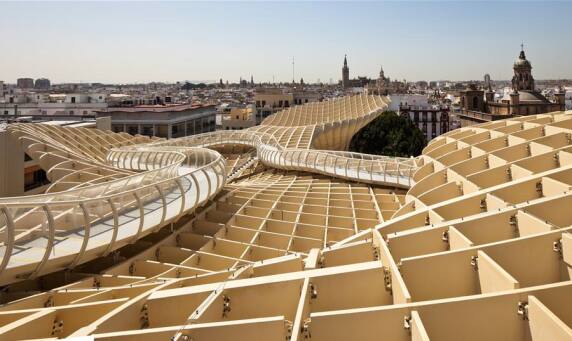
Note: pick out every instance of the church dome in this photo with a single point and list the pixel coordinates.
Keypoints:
(532, 96)
(521, 61)
(526, 96)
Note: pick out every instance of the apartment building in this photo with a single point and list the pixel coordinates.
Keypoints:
(432, 120)
(33, 104)
(25, 83)
(167, 121)
(271, 100)
(42, 84)
(239, 118)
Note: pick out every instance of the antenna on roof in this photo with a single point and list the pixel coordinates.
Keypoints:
(293, 78)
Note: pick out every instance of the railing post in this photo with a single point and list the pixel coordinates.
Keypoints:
(10, 235)
(115, 227)
(141, 216)
(86, 235)
(336, 158)
(164, 201)
(300, 153)
(182, 189)
(410, 176)
(198, 189)
(209, 183)
(50, 244)
(371, 171)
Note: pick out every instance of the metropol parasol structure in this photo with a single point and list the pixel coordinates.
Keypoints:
(277, 232)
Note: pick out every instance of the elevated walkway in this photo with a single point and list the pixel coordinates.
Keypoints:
(155, 183)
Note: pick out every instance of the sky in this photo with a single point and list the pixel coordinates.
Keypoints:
(127, 42)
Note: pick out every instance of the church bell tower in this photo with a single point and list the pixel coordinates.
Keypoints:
(522, 79)
(345, 73)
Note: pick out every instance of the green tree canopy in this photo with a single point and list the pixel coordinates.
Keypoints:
(191, 86)
(391, 135)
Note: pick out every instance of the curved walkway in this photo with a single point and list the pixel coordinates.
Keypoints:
(374, 169)
(164, 180)
(51, 232)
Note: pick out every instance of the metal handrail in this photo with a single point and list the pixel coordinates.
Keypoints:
(165, 169)
(273, 154)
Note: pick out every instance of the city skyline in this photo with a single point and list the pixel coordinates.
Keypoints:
(144, 42)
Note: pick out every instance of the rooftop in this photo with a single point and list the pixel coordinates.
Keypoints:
(158, 108)
(527, 97)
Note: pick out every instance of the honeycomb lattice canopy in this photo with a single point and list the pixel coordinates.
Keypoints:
(278, 233)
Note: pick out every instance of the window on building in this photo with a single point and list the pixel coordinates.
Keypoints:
(286, 104)
(71, 112)
(73, 99)
(258, 104)
(280, 103)
(34, 179)
(475, 103)
(147, 130)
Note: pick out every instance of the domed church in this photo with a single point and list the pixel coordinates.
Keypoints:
(479, 105)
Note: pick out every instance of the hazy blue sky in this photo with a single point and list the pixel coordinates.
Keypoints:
(168, 41)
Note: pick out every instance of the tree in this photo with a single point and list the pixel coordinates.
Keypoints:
(391, 135)
(190, 86)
